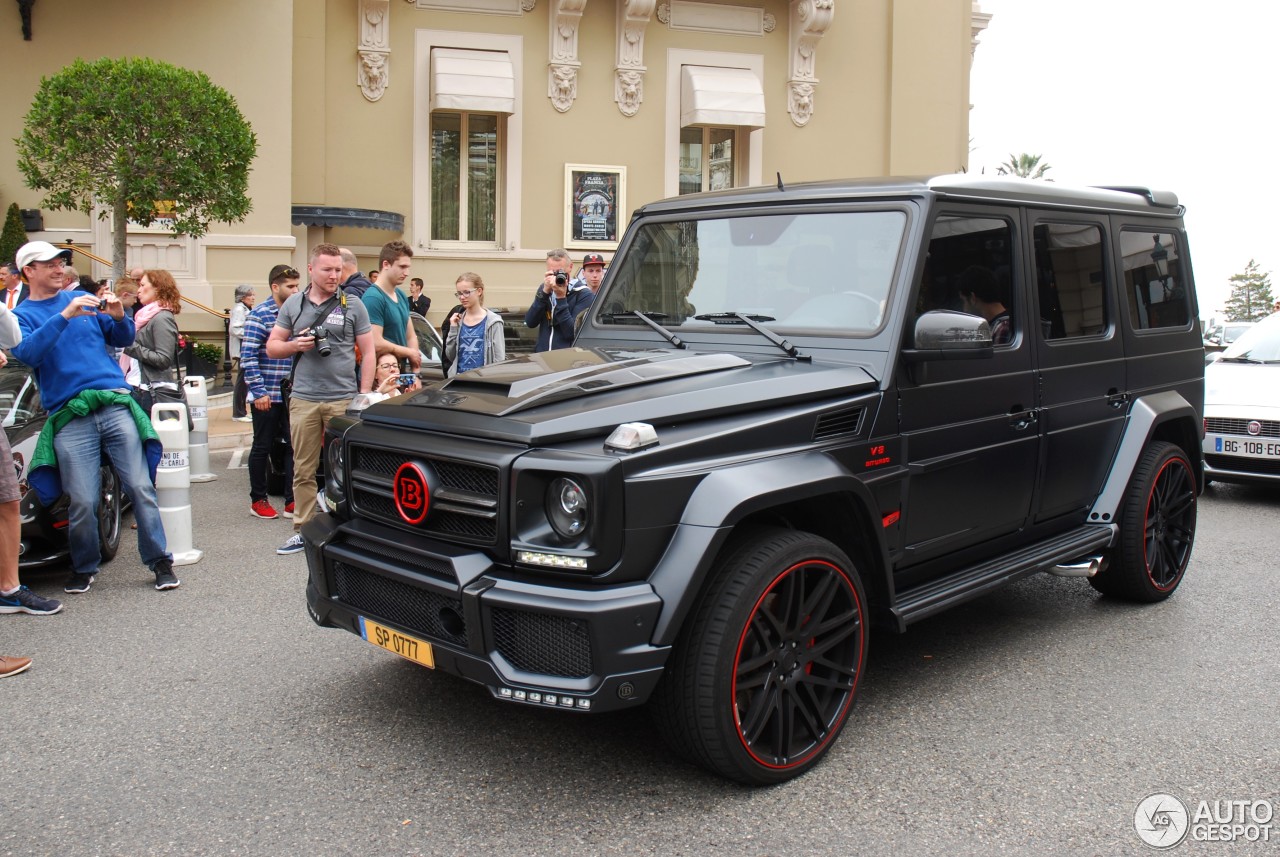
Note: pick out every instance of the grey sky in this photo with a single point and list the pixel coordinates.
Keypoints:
(1165, 93)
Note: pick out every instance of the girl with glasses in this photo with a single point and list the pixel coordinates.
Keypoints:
(475, 334)
(386, 376)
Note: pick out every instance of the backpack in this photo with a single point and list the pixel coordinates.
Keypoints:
(445, 362)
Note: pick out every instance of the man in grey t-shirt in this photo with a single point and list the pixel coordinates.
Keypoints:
(323, 383)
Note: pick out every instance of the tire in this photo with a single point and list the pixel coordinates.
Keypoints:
(110, 503)
(766, 669)
(1157, 528)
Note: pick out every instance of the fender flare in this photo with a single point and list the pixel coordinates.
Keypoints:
(1146, 415)
(719, 503)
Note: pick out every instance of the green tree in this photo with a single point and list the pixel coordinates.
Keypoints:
(128, 134)
(1025, 166)
(14, 234)
(1250, 298)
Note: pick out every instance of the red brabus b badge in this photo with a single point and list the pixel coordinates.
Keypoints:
(412, 488)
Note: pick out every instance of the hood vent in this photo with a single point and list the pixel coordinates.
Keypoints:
(840, 423)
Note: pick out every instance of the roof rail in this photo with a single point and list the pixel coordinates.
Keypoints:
(1159, 198)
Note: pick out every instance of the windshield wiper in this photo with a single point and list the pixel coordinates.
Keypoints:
(1239, 360)
(647, 318)
(752, 321)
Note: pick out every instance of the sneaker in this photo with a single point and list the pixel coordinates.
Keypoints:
(26, 601)
(247, 418)
(79, 583)
(264, 509)
(294, 545)
(13, 666)
(288, 509)
(165, 578)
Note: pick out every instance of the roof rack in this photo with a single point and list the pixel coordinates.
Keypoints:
(1160, 198)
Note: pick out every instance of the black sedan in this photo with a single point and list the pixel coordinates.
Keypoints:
(44, 537)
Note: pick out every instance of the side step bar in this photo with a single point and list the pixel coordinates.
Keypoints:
(1060, 555)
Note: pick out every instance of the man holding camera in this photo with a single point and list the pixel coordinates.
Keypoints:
(557, 304)
(66, 339)
(320, 328)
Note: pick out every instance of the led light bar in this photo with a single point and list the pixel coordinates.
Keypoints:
(551, 560)
(554, 700)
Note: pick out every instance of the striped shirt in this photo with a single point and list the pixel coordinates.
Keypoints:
(262, 374)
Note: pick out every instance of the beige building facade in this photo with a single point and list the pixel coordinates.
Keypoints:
(485, 132)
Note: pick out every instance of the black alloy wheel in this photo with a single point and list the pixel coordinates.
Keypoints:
(1157, 528)
(767, 669)
(110, 503)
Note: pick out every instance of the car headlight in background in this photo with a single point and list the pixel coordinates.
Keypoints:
(568, 508)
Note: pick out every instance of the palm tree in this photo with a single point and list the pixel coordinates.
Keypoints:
(1025, 166)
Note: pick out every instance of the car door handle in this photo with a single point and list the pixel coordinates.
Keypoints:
(1116, 399)
(1022, 420)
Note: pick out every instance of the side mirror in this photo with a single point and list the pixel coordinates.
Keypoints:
(949, 335)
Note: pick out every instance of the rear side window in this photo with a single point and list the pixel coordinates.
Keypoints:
(1154, 279)
(1071, 280)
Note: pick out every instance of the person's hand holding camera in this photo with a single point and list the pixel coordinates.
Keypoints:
(85, 302)
(556, 281)
(110, 304)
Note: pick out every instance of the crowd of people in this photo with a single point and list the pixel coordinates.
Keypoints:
(101, 354)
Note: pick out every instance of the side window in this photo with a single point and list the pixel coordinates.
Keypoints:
(1070, 280)
(970, 268)
(1155, 286)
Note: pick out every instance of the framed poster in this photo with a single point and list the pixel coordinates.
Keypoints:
(595, 198)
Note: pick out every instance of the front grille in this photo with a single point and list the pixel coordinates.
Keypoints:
(464, 507)
(1222, 425)
(1241, 464)
(404, 557)
(418, 611)
(546, 645)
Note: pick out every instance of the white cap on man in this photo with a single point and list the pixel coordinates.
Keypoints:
(39, 251)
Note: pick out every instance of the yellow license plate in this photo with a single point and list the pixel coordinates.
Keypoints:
(410, 648)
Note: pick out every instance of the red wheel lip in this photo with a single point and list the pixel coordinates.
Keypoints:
(848, 701)
(1146, 517)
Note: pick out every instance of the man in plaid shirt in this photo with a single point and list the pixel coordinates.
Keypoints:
(262, 375)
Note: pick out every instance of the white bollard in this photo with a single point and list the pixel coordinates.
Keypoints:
(198, 400)
(173, 481)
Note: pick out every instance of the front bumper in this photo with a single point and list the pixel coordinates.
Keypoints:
(551, 644)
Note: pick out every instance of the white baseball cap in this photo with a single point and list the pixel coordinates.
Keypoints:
(39, 251)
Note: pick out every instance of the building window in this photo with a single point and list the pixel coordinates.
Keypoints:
(464, 176)
(707, 159)
(468, 139)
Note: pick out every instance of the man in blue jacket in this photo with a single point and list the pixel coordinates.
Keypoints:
(65, 339)
(557, 303)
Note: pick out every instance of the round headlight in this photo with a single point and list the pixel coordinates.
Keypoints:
(567, 507)
(333, 462)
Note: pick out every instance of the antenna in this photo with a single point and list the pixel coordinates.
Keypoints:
(780, 184)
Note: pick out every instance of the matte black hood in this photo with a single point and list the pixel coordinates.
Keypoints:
(570, 391)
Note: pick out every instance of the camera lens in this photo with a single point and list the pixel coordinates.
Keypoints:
(561, 279)
(102, 305)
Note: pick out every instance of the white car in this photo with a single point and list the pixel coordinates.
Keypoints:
(1242, 408)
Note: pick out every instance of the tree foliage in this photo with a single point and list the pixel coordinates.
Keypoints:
(1025, 166)
(1250, 298)
(14, 234)
(129, 133)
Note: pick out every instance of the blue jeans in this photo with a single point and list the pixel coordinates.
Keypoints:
(80, 445)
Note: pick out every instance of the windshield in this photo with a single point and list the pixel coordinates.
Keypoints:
(821, 272)
(1259, 343)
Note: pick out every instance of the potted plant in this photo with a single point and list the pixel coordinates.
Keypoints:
(203, 358)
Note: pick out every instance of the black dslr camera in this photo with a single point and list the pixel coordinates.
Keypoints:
(323, 348)
(561, 278)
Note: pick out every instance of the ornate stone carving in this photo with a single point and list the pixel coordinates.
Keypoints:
(562, 72)
(664, 13)
(809, 22)
(528, 5)
(373, 74)
(374, 49)
(628, 87)
(770, 22)
(978, 22)
(628, 91)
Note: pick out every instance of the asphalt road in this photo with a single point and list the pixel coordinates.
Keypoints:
(217, 719)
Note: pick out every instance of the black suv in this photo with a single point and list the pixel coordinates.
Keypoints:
(790, 413)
